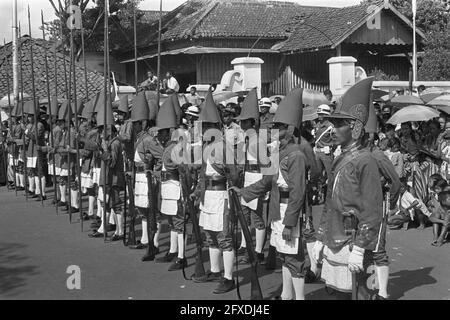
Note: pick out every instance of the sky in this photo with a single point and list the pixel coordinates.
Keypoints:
(37, 5)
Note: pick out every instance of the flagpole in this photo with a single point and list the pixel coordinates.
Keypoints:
(414, 9)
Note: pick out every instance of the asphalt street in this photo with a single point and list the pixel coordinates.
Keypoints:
(37, 247)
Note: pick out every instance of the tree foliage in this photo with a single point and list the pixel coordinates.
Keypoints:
(435, 62)
(120, 23)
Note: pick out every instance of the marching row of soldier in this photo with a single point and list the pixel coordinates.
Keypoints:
(146, 168)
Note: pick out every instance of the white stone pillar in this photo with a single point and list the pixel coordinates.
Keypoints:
(250, 70)
(342, 74)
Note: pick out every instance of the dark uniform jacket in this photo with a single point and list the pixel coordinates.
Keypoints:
(126, 137)
(90, 153)
(32, 151)
(293, 169)
(325, 140)
(387, 171)
(113, 164)
(354, 202)
(63, 143)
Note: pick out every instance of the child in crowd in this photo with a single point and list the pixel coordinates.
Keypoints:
(393, 153)
(406, 200)
(441, 218)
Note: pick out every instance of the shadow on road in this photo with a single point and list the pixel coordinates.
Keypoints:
(405, 280)
(13, 268)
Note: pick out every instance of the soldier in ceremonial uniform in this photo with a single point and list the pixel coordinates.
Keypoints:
(351, 222)
(16, 159)
(125, 135)
(89, 137)
(215, 176)
(253, 210)
(170, 191)
(112, 169)
(147, 156)
(35, 163)
(54, 159)
(287, 194)
(67, 150)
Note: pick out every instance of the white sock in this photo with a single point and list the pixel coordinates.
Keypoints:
(173, 242)
(119, 224)
(144, 237)
(102, 226)
(99, 208)
(243, 243)
(157, 234)
(214, 256)
(112, 219)
(228, 263)
(180, 245)
(62, 189)
(383, 279)
(37, 185)
(91, 206)
(299, 288)
(74, 198)
(260, 236)
(43, 183)
(288, 289)
(31, 185)
(309, 248)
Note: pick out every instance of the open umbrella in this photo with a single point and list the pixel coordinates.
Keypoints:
(314, 98)
(406, 100)
(3, 115)
(377, 94)
(445, 109)
(427, 97)
(4, 100)
(413, 113)
(442, 100)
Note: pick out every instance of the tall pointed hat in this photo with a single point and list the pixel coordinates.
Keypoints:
(176, 106)
(53, 107)
(29, 107)
(123, 104)
(17, 110)
(250, 108)
(355, 103)
(209, 111)
(167, 117)
(140, 109)
(290, 110)
(90, 107)
(101, 111)
(63, 110)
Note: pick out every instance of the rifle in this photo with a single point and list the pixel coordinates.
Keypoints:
(255, 291)
(199, 267)
(151, 230)
(131, 231)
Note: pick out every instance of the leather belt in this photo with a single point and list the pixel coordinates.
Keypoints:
(284, 195)
(253, 168)
(215, 183)
(140, 169)
(169, 175)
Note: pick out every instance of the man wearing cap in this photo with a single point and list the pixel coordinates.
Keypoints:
(287, 194)
(351, 221)
(232, 131)
(265, 117)
(215, 175)
(35, 163)
(324, 145)
(147, 156)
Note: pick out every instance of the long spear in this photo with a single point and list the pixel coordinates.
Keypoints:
(24, 156)
(84, 63)
(10, 128)
(47, 81)
(55, 55)
(36, 111)
(72, 56)
(107, 89)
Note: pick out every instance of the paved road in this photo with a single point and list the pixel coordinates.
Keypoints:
(37, 247)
